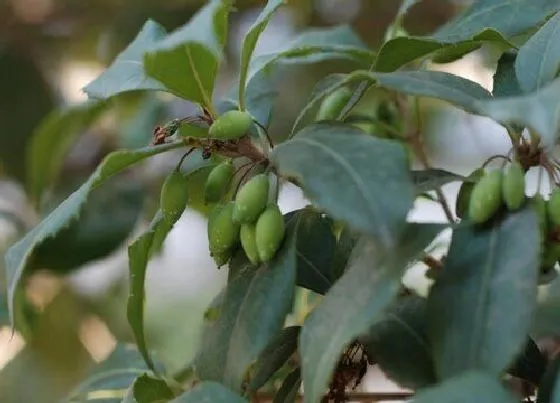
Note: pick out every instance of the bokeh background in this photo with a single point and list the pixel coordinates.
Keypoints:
(49, 50)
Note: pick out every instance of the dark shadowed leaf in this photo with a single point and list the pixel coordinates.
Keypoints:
(315, 246)
(431, 179)
(488, 272)
(106, 220)
(505, 80)
(399, 344)
(521, 16)
(19, 256)
(209, 392)
(127, 72)
(249, 43)
(530, 364)
(343, 250)
(147, 389)
(273, 357)
(51, 141)
(195, 49)
(355, 303)
(538, 61)
(470, 387)
(289, 389)
(549, 390)
(137, 131)
(373, 172)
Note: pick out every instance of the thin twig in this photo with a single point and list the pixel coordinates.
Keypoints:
(270, 143)
(178, 167)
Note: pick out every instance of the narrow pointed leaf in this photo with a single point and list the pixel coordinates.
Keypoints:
(290, 387)
(373, 172)
(195, 49)
(505, 80)
(549, 389)
(250, 42)
(538, 61)
(18, 257)
(355, 303)
(127, 72)
(209, 392)
(470, 387)
(487, 273)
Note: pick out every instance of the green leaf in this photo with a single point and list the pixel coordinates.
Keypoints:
(18, 257)
(344, 246)
(195, 49)
(273, 357)
(315, 246)
(470, 387)
(138, 258)
(137, 131)
(430, 179)
(373, 173)
(355, 303)
(116, 373)
(51, 141)
(530, 364)
(290, 387)
(265, 293)
(487, 273)
(249, 43)
(127, 73)
(505, 80)
(399, 344)
(538, 61)
(539, 111)
(147, 389)
(549, 389)
(522, 15)
(209, 392)
(316, 45)
(402, 50)
(106, 220)
(269, 298)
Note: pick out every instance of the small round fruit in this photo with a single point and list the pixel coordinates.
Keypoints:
(217, 183)
(223, 233)
(333, 104)
(464, 196)
(553, 207)
(269, 231)
(248, 237)
(486, 197)
(231, 125)
(251, 199)
(174, 196)
(539, 204)
(513, 186)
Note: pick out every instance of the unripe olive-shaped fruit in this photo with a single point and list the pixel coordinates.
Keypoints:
(486, 197)
(553, 207)
(221, 258)
(217, 183)
(464, 196)
(247, 234)
(174, 196)
(333, 104)
(223, 232)
(539, 205)
(513, 186)
(231, 125)
(251, 199)
(269, 231)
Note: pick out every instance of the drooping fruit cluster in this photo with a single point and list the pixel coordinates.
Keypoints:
(249, 221)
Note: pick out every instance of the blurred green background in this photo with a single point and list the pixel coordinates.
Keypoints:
(49, 50)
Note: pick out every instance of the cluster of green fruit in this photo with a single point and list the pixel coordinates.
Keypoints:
(482, 198)
(250, 220)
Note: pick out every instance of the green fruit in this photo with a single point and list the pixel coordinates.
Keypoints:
(231, 125)
(251, 199)
(513, 186)
(223, 233)
(464, 195)
(539, 204)
(553, 207)
(486, 197)
(333, 104)
(269, 231)
(248, 238)
(217, 183)
(221, 258)
(174, 196)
